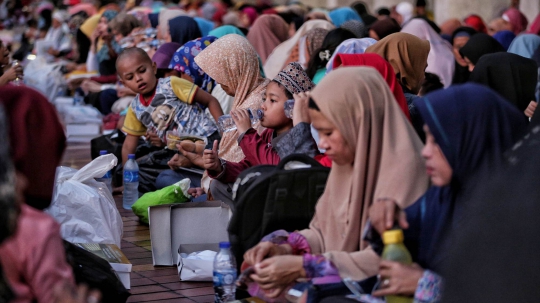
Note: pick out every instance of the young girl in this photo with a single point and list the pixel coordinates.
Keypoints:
(277, 141)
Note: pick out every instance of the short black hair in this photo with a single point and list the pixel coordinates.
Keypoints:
(132, 51)
(383, 11)
(288, 94)
(313, 105)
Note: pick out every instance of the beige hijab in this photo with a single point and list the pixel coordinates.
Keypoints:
(163, 20)
(278, 58)
(387, 164)
(232, 61)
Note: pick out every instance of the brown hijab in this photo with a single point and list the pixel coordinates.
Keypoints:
(387, 164)
(408, 56)
(267, 32)
(233, 62)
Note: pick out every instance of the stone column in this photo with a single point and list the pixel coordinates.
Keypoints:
(487, 9)
(530, 8)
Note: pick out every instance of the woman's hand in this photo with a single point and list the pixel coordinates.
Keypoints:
(241, 119)
(265, 250)
(529, 112)
(154, 139)
(178, 161)
(276, 272)
(398, 279)
(211, 160)
(193, 155)
(384, 212)
(90, 86)
(300, 110)
(195, 192)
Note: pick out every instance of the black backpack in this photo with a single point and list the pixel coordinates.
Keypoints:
(96, 273)
(269, 198)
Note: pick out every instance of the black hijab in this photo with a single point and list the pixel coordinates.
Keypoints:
(479, 45)
(512, 76)
(461, 73)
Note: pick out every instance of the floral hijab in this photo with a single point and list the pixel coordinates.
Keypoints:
(184, 61)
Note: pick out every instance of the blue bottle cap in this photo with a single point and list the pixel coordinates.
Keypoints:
(103, 152)
(224, 245)
(131, 156)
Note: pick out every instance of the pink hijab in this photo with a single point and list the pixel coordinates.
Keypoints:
(518, 21)
(267, 32)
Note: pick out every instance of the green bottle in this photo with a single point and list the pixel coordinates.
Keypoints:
(394, 250)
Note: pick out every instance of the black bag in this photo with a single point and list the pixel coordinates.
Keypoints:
(112, 143)
(268, 198)
(96, 273)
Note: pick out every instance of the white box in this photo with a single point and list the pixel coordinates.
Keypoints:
(195, 226)
(112, 254)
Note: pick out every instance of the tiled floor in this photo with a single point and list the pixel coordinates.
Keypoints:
(148, 283)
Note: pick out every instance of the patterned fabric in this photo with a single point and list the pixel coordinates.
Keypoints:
(315, 38)
(103, 52)
(165, 112)
(294, 79)
(430, 288)
(318, 266)
(356, 27)
(184, 61)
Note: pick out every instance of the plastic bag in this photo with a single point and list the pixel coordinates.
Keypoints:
(197, 266)
(45, 77)
(176, 193)
(84, 207)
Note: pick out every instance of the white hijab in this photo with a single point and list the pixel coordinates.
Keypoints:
(277, 59)
(440, 58)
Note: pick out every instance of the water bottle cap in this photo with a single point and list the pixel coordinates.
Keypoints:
(103, 152)
(224, 245)
(393, 236)
(131, 156)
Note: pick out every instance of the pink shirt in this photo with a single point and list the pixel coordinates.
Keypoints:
(33, 259)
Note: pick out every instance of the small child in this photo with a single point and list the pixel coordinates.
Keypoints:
(162, 104)
(279, 140)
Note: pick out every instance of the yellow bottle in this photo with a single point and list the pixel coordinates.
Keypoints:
(394, 250)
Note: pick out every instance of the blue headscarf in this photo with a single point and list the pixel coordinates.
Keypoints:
(473, 126)
(103, 52)
(183, 60)
(183, 29)
(204, 25)
(525, 45)
(505, 38)
(342, 15)
(154, 19)
(225, 30)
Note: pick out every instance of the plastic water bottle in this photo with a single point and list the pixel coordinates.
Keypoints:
(289, 106)
(224, 274)
(131, 182)
(107, 178)
(78, 99)
(17, 80)
(394, 250)
(226, 123)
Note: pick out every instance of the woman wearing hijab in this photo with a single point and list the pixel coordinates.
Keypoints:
(408, 56)
(225, 30)
(342, 15)
(280, 56)
(383, 28)
(476, 22)
(517, 20)
(440, 59)
(535, 26)
(511, 75)
(99, 56)
(526, 45)
(350, 46)
(460, 37)
(163, 20)
(358, 121)
(477, 46)
(232, 62)
(468, 128)
(33, 257)
(403, 13)
(267, 32)
(205, 26)
(183, 29)
(356, 27)
(505, 38)
(362, 11)
(383, 67)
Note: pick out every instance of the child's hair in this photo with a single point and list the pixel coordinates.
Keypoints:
(288, 94)
(132, 51)
(313, 105)
(162, 72)
(321, 56)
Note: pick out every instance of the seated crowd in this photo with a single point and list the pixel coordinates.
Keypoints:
(419, 124)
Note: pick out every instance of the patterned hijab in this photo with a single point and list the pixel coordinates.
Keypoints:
(232, 61)
(356, 27)
(183, 60)
(294, 79)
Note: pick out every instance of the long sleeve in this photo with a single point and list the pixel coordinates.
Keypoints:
(91, 62)
(297, 141)
(231, 170)
(258, 150)
(430, 288)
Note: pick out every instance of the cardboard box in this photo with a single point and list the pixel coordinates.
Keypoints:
(187, 227)
(112, 254)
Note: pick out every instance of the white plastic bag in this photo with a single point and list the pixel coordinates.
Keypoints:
(84, 207)
(45, 77)
(197, 266)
